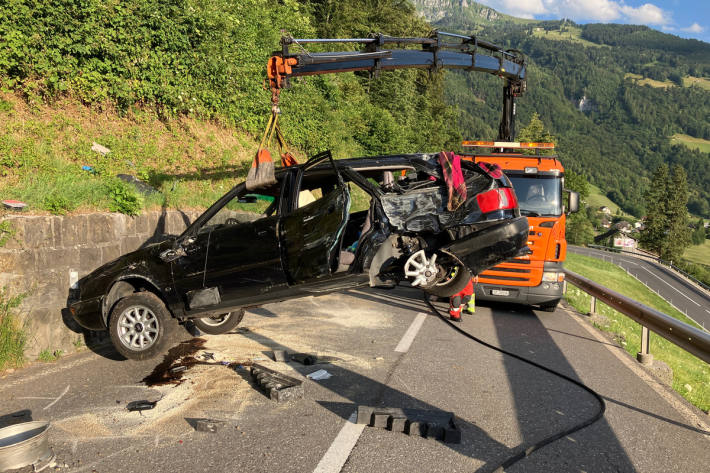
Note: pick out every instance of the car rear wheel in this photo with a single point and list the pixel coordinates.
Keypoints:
(139, 325)
(455, 281)
(219, 323)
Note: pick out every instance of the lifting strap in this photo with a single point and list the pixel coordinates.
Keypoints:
(262, 172)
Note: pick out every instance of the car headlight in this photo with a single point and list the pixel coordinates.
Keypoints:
(553, 277)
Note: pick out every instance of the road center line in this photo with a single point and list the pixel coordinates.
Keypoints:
(57, 399)
(339, 451)
(408, 337)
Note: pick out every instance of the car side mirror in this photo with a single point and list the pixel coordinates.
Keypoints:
(573, 201)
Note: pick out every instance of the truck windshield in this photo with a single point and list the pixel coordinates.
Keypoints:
(538, 196)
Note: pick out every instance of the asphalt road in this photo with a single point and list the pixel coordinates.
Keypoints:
(685, 296)
(388, 350)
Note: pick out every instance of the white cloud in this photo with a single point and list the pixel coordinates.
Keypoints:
(646, 14)
(694, 28)
(585, 10)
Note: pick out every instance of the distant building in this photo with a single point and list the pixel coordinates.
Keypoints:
(605, 209)
(606, 223)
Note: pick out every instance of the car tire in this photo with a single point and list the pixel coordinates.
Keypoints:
(550, 306)
(219, 324)
(452, 285)
(139, 326)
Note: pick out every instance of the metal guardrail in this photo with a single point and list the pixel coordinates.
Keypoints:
(655, 258)
(685, 336)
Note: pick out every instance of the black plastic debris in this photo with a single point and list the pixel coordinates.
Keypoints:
(208, 355)
(305, 358)
(431, 424)
(208, 425)
(142, 405)
(279, 387)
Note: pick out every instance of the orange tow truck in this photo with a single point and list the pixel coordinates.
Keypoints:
(536, 278)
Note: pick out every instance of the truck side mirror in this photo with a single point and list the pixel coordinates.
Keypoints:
(573, 201)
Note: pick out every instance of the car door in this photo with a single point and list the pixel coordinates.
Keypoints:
(244, 258)
(312, 232)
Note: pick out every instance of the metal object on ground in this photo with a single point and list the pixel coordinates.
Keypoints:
(432, 424)
(25, 444)
(685, 336)
(141, 405)
(279, 387)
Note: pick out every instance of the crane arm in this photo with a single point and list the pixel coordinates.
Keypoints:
(439, 51)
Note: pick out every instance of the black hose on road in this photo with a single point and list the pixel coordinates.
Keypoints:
(537, 445)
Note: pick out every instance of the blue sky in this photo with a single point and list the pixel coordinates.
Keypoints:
(685, 18)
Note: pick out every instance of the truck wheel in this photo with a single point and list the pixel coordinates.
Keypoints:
(139, 325)
(549, 306)
(456, 281)
(219, 323)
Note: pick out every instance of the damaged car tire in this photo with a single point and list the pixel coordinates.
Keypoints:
(139, 325)
(219, 323)
(454, 283)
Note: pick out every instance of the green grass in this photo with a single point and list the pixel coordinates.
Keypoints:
(48, 356)
(691, 142)
(640, 80)
(13, 338)
(703, 82)
(698, 253)
(597, 199)
(573, 34)
(687, 369)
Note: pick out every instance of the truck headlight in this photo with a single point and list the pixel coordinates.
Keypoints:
(553, 277)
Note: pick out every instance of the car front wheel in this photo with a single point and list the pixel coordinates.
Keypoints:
(455, 282)
(219, 323)
(139, 325)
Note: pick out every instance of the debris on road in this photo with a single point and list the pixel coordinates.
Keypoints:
(431, 424)
(280, 355)
(14, 204)
(305, 358)
(166, 373)
(143, 405)
(208, 425)
(319, 375)
(278, 386)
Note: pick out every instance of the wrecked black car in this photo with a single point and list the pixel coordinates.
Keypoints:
(324, 226)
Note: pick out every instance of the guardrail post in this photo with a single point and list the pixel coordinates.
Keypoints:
(593, 305)
(644, 356)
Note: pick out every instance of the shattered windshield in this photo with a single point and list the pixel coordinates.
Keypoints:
(538, 196)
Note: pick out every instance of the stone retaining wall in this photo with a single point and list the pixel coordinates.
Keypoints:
(45, 250)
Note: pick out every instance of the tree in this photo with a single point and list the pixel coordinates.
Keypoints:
(698, 237)
(536, 132)
(667, 231)
(678, 236)
(653, 236)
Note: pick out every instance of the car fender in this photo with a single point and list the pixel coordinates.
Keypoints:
(127, 284)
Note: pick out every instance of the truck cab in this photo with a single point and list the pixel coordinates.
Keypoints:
(536, 278)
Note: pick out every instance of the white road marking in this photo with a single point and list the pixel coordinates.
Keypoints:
(66, 390)
(408, 338)
(672, 287)
(339, 451)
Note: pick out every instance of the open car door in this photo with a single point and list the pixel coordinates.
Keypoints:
(311, 234)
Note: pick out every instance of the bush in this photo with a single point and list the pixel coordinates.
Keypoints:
(57, 204)
(124, 198)
(12, 335)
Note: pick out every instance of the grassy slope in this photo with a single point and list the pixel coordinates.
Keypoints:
(691, 142)
(189, 161)
(702, 82)
(687, 369)
(573, 35)
(698, 254)
(597, 199)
